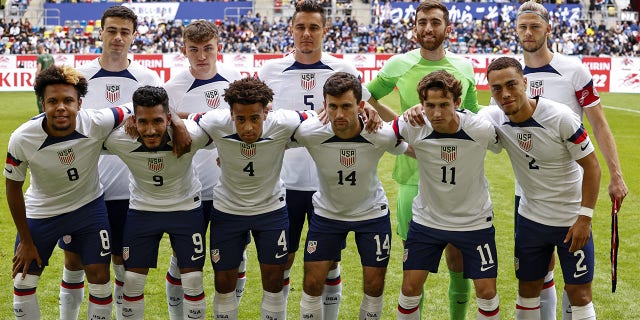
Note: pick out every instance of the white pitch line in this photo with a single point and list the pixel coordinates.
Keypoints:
(622, 109)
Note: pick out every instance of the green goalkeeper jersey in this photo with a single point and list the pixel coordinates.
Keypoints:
(404, 72)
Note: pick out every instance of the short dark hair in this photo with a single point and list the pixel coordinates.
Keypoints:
(310, 6)
(504, 63)
(120, 12)
(248, 91)
(340, 83)
(150, 96)
(432, 4)
(200, 31)
(441, 80)
(60, 75)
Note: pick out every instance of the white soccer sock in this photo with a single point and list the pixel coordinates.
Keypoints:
(408, 307)
(119, 272)
(584, 312)
(286, 284)
(133, 296)
(242, 276)
(332, 294)
(371, 307)
(71, 293)
(25, 301)
(566, 306)
(100, 301)
(272, 306)
(225, 306)
(195, 306)
(527, 308)
(548, 298)
(174, 290)
(488, 309)
(310, 307)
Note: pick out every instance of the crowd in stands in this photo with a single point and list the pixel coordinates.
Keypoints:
(256, 34)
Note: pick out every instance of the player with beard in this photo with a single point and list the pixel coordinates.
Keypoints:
(566, 80)
(297, 81)
(404, 72)
(165, 198)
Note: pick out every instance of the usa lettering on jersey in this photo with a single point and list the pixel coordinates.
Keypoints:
(347, 157)
(66, 156)
(448, 153)
(536, 88)
(112, 92)
(524, 140)
(213, 98)
(248, 150)
(311, 246)
(308, 81)
(156, 164)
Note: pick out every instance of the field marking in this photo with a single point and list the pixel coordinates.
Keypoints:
(622, 109)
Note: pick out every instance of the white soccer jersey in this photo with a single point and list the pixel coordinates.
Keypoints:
(108, 89)
(349, 188)
(565, 80)
(160, 181)
(188, 94)
(543, 151)
(298, 86)
(63, 173)
(249, 183)
(453, 192)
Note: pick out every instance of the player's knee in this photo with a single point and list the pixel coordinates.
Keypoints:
(29, 281)
(579, 295)
(486, 292)
(134, 284)
(192, 283)
(410, 289)
(72, 261)
(374, 286)
(225, 280)
(313, 286)
(97, 273)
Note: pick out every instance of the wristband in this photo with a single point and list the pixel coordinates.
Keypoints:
(587, 212)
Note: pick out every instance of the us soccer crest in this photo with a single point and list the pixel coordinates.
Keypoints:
(405, 255)
(525, 141)
(66, 156)
(308, 81)
(248, 150)
(448, 153)
(213, 98)
(215, 255)
(536, 88)
(155, 164)
(125, 253)
(112, 92)
(66, 239)
(311, 246)
(347, 157)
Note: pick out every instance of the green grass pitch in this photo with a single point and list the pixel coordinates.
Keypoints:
(623, 114)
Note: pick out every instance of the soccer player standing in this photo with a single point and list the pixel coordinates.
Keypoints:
(557, 169)
(64, 200)
(200, 89)
(404, 72)
(297, 81)
(165, 198)
(450, 149)
(249, 195)
(112, 80)
(346, 157)
(565, 80)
